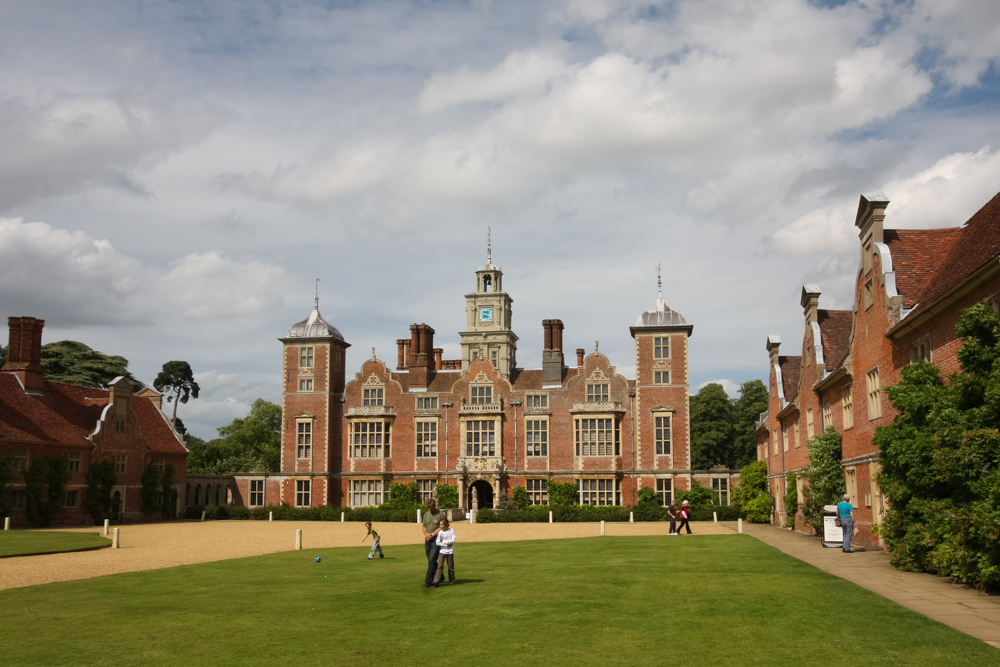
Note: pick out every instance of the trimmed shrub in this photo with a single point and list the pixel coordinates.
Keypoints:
(447, 496)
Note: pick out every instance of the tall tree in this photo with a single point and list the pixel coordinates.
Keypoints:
(177, 381)
(249, 442)
(711, 427)
(746, 413)
(3, 355)
(75, 363)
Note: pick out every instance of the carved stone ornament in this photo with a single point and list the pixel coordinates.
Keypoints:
(598, 374)
(373, 380)
(662, 363)
(481, 379)
(305, 372)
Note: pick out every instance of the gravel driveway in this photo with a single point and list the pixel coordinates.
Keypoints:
(154, 546)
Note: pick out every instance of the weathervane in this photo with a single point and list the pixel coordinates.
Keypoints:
(373, 354)
(489, 245)
(597, 345)
(316, 298)
(659, 281)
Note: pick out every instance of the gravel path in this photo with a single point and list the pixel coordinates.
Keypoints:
(155, 546)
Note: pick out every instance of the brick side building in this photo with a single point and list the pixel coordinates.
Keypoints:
(40, 418)
(912, 287)
(482, 422)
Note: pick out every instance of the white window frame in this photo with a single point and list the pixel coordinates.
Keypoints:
(720, 486)
(598, 392)
(536, 401)
(305, 384)
(303, 493)
(481, 394)
(598, 491)
(665, 490)
(663, 433)
(847, 406)
(661, 377)
(73, 462)
(596, 436)
(480, 437)
(426, 436)
(538, 491)
(303, 438)
(874, 390)
(367, 492)
(661, 347)
(536, 436)
(307, 357)
(256, 493)
(373, 396)
(370, 439)
(426, 489)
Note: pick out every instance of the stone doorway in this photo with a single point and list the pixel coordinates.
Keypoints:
(484, 492)
(116, 506)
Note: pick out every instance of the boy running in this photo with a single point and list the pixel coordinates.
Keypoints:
(375, 541)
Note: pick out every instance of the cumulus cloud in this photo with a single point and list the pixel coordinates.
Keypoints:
(58, 142)
(46, 271)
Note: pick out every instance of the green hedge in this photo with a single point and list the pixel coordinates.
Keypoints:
(585, 513)
(289, 513)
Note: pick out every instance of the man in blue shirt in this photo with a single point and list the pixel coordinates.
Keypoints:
(846, 512)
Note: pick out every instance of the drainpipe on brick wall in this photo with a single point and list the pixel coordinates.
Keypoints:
(515, 404)
(631, 395)
(446, 405)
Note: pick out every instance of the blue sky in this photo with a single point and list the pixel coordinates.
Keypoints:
(176, 175)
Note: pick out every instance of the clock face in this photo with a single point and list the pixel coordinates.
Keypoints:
(485, 314)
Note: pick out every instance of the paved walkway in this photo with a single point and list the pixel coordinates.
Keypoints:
(962, 607)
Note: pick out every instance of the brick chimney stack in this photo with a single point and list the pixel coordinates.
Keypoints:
(24, 351)
(579, 356)
(553, 363)
(401, 357)
(421, 359)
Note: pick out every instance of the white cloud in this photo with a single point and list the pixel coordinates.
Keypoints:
(58, 142)
(212, 287)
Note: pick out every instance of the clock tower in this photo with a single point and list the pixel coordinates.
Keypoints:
(487, 314)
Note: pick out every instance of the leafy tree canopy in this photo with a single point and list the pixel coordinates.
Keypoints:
(751, 496)
(825, 475)
(711, 427)
(940, 461)
(722, 430)
(176, 381)
(251, 442)
(3, 355)
(75, 363)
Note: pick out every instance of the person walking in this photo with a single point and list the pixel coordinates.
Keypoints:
(446, 544)
(685, 515)
(845, 510)
(375, 541)
(672, 513)
(431, 525)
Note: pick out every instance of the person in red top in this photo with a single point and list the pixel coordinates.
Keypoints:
(685, 515)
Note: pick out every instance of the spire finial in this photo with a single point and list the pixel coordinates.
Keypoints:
(489, 245)
(316, 297)
(659, 281)
(373, 354)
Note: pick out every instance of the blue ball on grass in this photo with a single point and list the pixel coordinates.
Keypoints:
(318, 559)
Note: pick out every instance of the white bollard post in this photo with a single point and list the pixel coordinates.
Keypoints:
(739, 526)
(203, 515)
(6, 524)
(550, 516)
(114, 540)
(106, 523)
(419, 515)
(341, 517)
(270, 516)
(602, 529)
(298, 539)
(631, 517)
(715, 517)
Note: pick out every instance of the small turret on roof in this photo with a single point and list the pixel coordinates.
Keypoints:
(661, 315)
(314, 326)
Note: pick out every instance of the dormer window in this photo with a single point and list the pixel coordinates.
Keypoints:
(597, 393)
(374, 396)
(481, 395)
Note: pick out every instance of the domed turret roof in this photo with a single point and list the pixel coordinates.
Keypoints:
(661, 315)
(313, 326)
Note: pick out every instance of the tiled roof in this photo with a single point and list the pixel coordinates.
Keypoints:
(64, 413)
(978, 245)
(835, 331)
(918, 255)
(790, 370)
(67, 414)
(156, 429)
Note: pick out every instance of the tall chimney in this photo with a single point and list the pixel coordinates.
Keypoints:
(579, 357)
(401, 345)
(421, 355)
(810, 302)
(24, 351)
(438, 362)
(553, 364)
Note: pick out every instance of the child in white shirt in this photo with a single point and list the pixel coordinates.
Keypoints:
(445, 540)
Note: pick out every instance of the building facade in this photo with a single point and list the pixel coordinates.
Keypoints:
(40, 418)
(911, 289)
(482, 422)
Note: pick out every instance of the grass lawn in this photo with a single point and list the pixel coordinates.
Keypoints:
(604, 600)
(24, 542)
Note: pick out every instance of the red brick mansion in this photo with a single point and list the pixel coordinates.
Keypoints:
(482, 422)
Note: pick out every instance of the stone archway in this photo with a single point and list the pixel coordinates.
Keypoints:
(484, 491)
